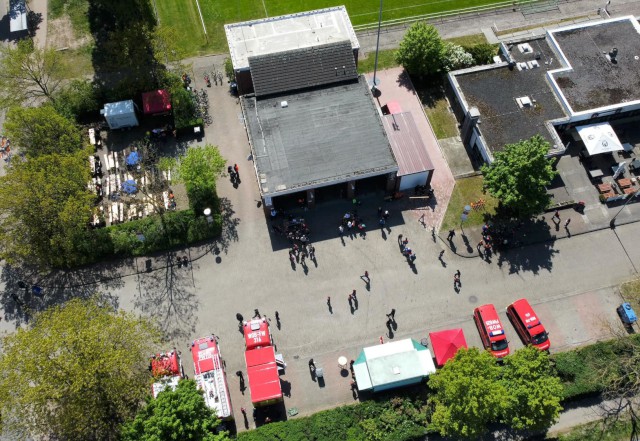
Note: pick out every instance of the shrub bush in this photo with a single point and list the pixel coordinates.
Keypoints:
(482, 53)
(581, 370)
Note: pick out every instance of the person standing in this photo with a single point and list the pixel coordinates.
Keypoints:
(236, 169)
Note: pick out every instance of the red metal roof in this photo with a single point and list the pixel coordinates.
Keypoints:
(262, 371)
(203, 350)
(165, 364)
(256, 333)
(446, 343)
(406, 143)
(156, 102)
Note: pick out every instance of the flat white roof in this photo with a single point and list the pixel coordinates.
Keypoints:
(287, 32)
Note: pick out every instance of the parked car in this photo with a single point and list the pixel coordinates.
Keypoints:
(528, 325)
(491, 331)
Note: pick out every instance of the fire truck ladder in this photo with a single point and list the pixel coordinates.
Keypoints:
(220, 385)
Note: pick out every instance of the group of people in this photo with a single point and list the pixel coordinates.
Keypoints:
(406, 249)
(234, 174)
(5, 149)
(299, 254)
(350, 220)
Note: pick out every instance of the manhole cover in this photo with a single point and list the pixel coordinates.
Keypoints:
(473, 299)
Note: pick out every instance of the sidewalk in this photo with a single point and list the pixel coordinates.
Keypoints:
(544, 228)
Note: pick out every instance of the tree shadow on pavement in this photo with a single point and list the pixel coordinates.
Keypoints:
(166, 295)
(28, 291)
(531, 248)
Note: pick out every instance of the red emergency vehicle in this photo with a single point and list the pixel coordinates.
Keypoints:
(262, 366)
(528, 325)
(210, 376)
(491, 330)
(166, 368)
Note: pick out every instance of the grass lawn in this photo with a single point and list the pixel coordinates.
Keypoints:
(469, 40)
(386, 60)
(183, 15)
(618, 431)
(79, 60)
(468, 190)
(631, 293)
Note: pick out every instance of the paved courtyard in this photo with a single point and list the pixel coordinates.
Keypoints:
(570, 281)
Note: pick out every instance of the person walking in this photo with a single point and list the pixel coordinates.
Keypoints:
(566, 224)
(441, 255)
(456, 280)
(353, 295)
(392, 315)
(236, 169)
(556, 215)
(450, 235)
(366, 277)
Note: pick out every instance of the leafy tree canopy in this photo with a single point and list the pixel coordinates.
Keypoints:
(421, 51)
(42, 131)
(180, 414)
(468, 394)
(534, 391)
(77, 99)
(519, 175)
(28, 73)
(198, 169)
(77, 373)
(46, 208)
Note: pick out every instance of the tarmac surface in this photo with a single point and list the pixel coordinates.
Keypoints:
(570, 275)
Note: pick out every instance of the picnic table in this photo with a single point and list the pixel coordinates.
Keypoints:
(624, 183)
(629, 190)
(605, 188)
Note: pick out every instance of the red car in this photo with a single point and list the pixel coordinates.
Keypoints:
(528, 325)
(491, 330)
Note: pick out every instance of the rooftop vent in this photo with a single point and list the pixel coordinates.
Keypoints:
(525, 48)
(524, 101)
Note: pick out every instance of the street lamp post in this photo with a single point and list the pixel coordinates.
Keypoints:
(374, 89)
(207, 213)
(612, 222)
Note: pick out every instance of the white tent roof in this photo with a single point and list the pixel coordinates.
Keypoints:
(599, 138)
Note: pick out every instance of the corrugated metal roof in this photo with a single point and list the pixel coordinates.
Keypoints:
(407, 145)
(303, 68)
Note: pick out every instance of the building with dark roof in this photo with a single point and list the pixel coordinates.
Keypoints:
(313, 125)
(321, 136)
(583, 73)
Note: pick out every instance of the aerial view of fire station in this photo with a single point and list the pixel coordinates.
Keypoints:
(367, 221)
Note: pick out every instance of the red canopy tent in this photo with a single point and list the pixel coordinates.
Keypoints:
(157, 102)
(446, 343)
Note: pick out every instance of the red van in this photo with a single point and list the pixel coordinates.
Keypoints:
(491, 330)
(528, 325)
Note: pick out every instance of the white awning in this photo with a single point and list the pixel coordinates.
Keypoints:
(599, 138)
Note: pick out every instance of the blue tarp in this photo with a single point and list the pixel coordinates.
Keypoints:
(133, 158)
(129, 187)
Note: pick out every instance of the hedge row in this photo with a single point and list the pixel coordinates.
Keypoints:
(152, 234)
(390, 418)
(581, 370)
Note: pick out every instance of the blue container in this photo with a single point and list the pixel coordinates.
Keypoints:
(627, 314)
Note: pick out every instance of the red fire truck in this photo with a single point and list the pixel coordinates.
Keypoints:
(262, 366)
(166, 368)
(210, 376)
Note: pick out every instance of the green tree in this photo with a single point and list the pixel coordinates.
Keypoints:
(468, 394)
(455, 57)
(42, 131)
(519, 175)
(77, 373)
(421, 51)
(482, 53)
(534, 391)
(76, 99)
(46, 207)
(198, 170)
(28, 73)
(175, 415)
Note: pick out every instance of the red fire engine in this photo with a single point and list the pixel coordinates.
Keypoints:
(262, 366)
(210, 376)
(166, 369)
